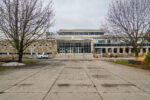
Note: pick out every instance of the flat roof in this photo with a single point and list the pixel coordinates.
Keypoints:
(80, 30)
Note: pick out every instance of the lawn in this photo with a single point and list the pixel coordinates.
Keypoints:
(6, 68)
(132, 65)
(30, 62)
(13, 67)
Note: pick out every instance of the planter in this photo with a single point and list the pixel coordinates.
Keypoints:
(95, 55)
(135, 62)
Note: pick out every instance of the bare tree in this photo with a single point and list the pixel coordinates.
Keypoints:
(22, 22)
(131, 19)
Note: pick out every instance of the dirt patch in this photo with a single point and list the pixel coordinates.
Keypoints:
(56, 64)
(22, 84)
(2, 92)
(63, 85)
(116, 85)
(75, 67)
(44, 64)
(95, 68)
(100, 76)
(66, 85)
(88, 85)
(25, 84)
(33, 66)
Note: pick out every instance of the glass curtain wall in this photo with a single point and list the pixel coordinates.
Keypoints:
(73, 47)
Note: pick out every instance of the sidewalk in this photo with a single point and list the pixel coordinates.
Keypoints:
(75, 80)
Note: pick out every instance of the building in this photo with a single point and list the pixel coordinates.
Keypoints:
(94, 41)
(38, 47)
(78, 41)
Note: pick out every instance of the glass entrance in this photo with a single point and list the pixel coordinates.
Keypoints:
(74, 47)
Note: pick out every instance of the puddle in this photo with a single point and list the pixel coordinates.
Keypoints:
(116, 85)
(100, 76)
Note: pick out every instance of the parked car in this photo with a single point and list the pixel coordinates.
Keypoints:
(42, 56)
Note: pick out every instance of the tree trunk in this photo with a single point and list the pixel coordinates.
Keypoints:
(20, 57)
(20, 53)
(136, 51)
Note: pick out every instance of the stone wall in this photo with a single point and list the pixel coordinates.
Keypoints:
(40, 46)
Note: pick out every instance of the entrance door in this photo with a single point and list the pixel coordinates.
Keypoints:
(97, 51)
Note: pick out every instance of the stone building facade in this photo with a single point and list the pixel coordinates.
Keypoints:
(38, 47)
(79, 42)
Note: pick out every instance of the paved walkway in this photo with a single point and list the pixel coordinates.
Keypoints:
(75, 80)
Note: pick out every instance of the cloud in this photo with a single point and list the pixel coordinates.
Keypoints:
(77, 14)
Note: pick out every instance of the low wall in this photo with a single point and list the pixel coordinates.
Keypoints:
(74, 56)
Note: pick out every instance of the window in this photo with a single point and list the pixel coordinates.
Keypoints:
(115, 50)
(127, 50)
(108, 41)
(101, 41)
(132, 50)
(121, 50)
(74, 47)
(139, 49)
(96, 33)
(27, 53)
(3, 53)
(109, 50)
(49, 53)
(103, 50)
(144, 50)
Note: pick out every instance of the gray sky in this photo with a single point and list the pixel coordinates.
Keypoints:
(79, 14)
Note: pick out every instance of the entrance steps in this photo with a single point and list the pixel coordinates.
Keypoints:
(74, 56)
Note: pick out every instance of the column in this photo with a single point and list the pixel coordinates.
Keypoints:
(106, 50)
(147, 50)
(129, 50)
(118, 51)
(112, 51)
(124, 51)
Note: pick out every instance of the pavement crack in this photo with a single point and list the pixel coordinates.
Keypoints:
(22, 80)
(127, 81)
(53, 83)
(93, 82)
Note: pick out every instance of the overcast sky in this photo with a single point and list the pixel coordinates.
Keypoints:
(79, 14)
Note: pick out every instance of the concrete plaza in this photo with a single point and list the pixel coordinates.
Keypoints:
(75, 80)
